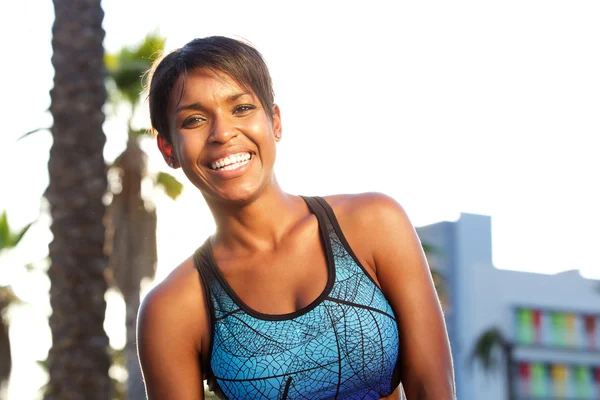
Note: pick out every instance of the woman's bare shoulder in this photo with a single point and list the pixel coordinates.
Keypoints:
(360, 202)
(172, 334)
(182, 285)
(178, 299)
(365, 211)
(363, 218)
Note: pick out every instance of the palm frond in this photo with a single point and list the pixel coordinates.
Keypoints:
(144, 132)
(8, 238)
(486, 348)
(5, 234)
(170, 184)
(429, 249)
(19, 235)
(32, 132)
(128, 67)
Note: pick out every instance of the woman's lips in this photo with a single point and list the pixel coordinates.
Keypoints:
(230, 162)
(232, 166)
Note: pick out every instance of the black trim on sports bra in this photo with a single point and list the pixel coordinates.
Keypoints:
(338, 230)
(199, 254)
(325, 241)
(210, 275)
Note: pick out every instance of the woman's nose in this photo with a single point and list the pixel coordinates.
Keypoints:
(222, 130)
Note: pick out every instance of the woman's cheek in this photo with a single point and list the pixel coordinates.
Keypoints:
(189, 148)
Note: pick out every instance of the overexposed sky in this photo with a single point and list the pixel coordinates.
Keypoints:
(449, 107)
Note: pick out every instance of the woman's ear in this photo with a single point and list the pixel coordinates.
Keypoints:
(166, 150)
(276, 122)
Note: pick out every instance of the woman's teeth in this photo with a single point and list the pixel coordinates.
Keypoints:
(231, 162)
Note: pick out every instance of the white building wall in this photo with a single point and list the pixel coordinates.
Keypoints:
(497, 292)
(472, 247)
(484, 296)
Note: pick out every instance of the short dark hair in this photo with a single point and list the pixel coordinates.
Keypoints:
(237, 59)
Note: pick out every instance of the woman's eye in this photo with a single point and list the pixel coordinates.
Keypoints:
(242, 109)
(192, 121)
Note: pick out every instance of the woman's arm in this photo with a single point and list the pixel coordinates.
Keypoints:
(393, 250)
(169, 337)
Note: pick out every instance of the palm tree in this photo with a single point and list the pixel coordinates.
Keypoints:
(118, 393)
(78, 359)
(8, 240)
(131, 218)
(484, 351)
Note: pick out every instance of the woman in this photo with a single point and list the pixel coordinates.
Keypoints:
(292, 297)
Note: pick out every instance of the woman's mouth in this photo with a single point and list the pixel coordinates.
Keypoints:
(231, 162)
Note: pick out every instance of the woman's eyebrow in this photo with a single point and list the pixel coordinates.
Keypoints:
(236, 96)
(193, 106)
(198, 107)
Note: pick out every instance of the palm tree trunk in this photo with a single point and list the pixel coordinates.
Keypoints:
(78, 360)
(5, 356)
(135, 384)
(132, 239)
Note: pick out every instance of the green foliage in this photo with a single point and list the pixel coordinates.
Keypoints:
(9, 239)
(131, 226)
(171, 186)
(485, 349)
(127, 67)
(429, 249)
(140, 132)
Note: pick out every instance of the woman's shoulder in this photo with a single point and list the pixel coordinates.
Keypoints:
(366, 209)
(370, 221)
(181, 284)
(177, 300)
(173, 335)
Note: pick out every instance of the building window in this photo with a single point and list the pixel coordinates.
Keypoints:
(536, 380)
(557, 329)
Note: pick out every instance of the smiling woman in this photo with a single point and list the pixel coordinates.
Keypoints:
(292, 297)
(221, 136)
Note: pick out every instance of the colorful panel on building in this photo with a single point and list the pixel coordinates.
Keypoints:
(537, 380)
(557, 329)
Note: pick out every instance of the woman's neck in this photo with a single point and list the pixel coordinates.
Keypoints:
(259, 225)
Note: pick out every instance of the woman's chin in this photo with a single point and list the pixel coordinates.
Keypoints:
(238, 197)
(238, 193)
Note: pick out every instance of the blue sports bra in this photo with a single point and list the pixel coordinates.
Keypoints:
(344, 345)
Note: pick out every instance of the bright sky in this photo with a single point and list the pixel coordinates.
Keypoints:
(467, 106)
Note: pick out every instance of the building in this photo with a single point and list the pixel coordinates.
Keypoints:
(552, 320)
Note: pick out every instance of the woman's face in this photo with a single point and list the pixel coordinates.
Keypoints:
(221, 136)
